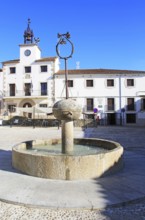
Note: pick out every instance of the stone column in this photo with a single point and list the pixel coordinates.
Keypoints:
(67, 136)
(67, 111)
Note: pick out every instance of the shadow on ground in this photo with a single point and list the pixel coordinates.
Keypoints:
(6, 161)
(126, 185)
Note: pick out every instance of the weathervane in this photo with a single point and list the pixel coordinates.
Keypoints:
(37, 40)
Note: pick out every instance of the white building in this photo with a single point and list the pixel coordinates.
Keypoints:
(118, 96)
(28, 81)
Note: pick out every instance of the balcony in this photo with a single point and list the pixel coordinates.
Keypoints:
(88, 110)
(131, 107)
(109, 108)
(26, 93)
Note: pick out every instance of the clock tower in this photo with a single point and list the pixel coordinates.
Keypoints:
(29, 51)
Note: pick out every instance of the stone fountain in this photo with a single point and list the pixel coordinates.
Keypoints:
(68, 158)
(40, 158)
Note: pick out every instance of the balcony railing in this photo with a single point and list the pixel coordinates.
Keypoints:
(89, 108)
(22, 93)
(109, 108)
(131, 107)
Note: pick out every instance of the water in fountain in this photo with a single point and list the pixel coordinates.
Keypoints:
(79, 150)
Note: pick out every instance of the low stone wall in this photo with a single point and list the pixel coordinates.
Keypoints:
(68, 167)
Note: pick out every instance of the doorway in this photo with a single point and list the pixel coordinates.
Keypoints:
(111, 118)
(27, 114)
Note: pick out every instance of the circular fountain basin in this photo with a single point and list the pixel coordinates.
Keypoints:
(91, 158)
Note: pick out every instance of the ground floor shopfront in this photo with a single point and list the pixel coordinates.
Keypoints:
(115, 118)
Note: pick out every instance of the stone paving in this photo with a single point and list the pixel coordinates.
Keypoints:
(133, 140)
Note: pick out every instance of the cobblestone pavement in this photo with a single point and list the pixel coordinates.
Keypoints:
(133, 139)
(134, 211)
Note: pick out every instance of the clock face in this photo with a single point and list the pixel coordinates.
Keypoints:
(27, 52)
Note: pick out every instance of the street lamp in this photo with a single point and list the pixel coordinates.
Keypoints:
(64, 39)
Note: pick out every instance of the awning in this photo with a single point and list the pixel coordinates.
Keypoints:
(35, 109)
(28, 110)
(43, 110)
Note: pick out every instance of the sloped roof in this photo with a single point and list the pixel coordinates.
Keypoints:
(99, 71)
(11, 61)
(46, 59)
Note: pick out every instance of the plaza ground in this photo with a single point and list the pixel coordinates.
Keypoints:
(119, 196)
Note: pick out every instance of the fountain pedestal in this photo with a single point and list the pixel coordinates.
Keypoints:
(67, 110)
(67, 137)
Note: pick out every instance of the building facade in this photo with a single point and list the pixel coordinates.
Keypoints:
(114, 97)
(27, 81)
(117, 96)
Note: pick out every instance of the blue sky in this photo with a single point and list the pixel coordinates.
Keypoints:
(106, 34)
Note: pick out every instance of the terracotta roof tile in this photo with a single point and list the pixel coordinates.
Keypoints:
(99, 71)
(46, 59)
(11, 61)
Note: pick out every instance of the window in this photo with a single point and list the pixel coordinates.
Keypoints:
(12, 70)
(12, 108)
(12, 89)
(90, 104)
(110, 82)
(143, 104)
(130, 82)
(27, 69)
(110, 104)
(130, 104)
(89, 83)
(43, 105)
(70, 83)
(43, 68)
(130, 118)
(27, 89)
(44, 88)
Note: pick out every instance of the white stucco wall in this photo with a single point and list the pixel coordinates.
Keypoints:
(100, 92)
